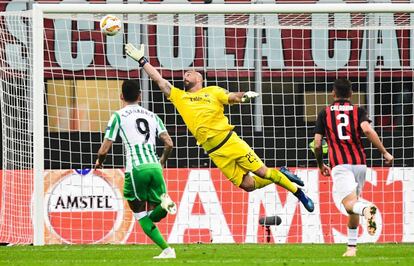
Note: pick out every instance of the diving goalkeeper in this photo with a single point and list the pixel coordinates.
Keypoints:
(203, 112)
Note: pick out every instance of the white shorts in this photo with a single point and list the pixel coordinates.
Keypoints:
(347, 178)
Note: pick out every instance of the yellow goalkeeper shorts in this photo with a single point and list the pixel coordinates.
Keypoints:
(234, 158)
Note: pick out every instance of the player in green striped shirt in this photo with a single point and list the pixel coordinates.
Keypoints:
(144, 187)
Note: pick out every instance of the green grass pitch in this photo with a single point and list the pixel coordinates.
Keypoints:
(208, 254)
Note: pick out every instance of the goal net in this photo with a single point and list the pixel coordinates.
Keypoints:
(290, 58)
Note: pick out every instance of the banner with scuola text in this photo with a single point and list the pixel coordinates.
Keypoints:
(296, 52)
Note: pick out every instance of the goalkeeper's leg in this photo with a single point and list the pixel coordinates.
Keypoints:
(236, 159)
(276, 177)
(265, 176)
(253, 181)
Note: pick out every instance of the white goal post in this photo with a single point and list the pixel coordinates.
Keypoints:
(41, 10)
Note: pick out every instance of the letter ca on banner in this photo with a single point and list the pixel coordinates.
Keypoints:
(86, 206)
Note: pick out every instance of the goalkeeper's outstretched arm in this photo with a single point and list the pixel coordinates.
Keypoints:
(163, 84)
(138, 55)
(241, 97)
(235, 97)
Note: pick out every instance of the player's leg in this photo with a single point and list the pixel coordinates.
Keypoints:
(158, 197)
(353, 222)
(236, 159)
(140, 182)
(156, 213)
(369, 210)
(139, 209)
(264, 176)
(151, 230)
(345, 191)
(279, 178)
(240, 177)
(348, 183)
(274, 175)
(250, 182)
(250, 161)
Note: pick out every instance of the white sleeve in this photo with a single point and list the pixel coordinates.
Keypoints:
(113, 127)
(160, 126)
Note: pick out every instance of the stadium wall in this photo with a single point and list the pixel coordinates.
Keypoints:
(211, 209)
(287, 76)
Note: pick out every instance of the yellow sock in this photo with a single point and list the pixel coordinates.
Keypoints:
(278, 178)
(261, 182)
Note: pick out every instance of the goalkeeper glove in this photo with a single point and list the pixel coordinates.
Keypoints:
(249, 95)
(136, 54)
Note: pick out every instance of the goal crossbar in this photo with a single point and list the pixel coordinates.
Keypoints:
(226, 8)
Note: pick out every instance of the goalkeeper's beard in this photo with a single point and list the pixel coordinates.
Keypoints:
(188, 85)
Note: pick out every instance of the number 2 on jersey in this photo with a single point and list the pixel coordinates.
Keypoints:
(342, 125)
(143, 128)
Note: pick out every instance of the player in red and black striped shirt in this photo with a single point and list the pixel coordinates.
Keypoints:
(343, 123)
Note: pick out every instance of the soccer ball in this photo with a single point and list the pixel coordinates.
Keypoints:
(110, 25)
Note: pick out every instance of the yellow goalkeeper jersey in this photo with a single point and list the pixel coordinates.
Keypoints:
(202, 111)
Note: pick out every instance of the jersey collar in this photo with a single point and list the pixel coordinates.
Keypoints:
(342, 101)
